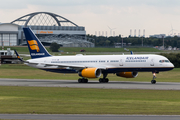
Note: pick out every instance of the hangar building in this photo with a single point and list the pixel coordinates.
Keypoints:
(48, 27)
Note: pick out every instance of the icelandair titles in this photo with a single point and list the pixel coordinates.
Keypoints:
(136, 59)
(37, 54)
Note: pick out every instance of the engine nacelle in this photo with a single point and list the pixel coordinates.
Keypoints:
(90, 73)
(127, 74)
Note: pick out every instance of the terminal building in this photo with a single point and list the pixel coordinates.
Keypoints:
(48, 27)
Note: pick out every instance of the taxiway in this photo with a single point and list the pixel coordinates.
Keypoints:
(91, 84)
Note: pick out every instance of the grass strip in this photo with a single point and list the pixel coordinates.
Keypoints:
(21, 71)
(47, 100)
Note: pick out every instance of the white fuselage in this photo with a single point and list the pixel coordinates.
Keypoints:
(110, 63)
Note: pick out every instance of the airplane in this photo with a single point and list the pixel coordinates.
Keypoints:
(93, 66)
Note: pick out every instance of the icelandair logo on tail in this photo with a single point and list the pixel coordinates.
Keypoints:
(33, 45)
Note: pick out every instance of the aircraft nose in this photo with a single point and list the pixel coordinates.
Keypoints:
(171, 65)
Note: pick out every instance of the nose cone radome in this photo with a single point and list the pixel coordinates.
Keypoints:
(171, 65)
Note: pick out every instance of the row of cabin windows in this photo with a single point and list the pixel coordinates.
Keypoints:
(82, 61)
(73, 61)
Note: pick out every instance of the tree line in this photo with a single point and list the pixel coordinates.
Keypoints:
(101, 41)
(173, 57)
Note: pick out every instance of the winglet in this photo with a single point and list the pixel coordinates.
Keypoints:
(18, 56)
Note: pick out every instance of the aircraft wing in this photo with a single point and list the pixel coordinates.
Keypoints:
(76, 67)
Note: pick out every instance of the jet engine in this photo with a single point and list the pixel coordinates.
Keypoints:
(127, 74)
(90, 73)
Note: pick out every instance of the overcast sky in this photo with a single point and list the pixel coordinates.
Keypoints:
(155, 16)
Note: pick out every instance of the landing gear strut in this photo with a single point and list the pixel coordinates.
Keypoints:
(104, 79)
(82, 80)
(154, 76)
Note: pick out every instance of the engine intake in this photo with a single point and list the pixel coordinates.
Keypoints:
(90, 73)
(127, 74)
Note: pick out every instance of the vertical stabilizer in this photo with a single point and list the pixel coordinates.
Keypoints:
(36, 49)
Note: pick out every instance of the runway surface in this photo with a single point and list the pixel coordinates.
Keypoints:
(86, 117)
(91, 84)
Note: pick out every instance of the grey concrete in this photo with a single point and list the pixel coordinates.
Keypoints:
(91, 84)
(86, 117)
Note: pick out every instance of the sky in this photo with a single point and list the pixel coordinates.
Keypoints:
(98, 16)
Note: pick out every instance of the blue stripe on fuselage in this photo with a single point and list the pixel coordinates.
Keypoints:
(113, 70)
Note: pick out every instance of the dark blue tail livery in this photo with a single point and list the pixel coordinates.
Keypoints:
(36, 48)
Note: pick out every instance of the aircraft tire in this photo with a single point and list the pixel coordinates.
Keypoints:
(82, 80)
(153, 81)
(85, 81)
(79, 80)
(100, 80)
(106, 80)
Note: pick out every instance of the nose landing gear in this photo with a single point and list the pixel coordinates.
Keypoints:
(154, 76)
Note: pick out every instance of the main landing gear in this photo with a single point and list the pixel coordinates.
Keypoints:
(104, 79)
(154, 76)
(82, 80)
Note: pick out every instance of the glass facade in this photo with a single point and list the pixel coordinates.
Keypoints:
(13, 39)
(8, 39)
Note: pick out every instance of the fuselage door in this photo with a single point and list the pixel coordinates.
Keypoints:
(152, 62)
(121, 62)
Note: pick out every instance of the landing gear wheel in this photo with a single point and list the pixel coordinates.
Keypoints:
(82, 80)
(106, 80)
(85, 81)
(153, 81)
(79, 80)
(101, 80)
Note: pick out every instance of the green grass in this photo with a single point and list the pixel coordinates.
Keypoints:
(24, 49)
(47, 100)
(109, 49)
(22, 71)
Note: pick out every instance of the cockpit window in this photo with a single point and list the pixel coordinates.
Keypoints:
(162, 61)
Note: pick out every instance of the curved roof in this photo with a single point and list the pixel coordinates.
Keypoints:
(43, 19)
(8, 24)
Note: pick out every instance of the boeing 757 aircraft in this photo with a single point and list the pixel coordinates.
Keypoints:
(92, 66)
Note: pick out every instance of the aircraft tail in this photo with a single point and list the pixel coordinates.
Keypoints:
(36, 49)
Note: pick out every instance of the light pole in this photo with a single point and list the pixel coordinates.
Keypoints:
(163, 42)
(122, 41)
(142, 41)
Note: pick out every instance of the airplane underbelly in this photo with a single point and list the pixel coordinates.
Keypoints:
(61, 70)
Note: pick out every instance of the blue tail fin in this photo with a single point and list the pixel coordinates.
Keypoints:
(36, 48)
